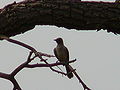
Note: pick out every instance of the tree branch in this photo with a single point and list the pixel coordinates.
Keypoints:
(17, 18)
(26, 64)
(12, 79)
(15, 83)
(26, 46)
(80, 80)
(22, 65)
(4, 75)
(46, 65)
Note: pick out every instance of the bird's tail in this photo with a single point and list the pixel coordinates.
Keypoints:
(69, 73)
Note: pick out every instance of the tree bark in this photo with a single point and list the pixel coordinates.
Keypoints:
(20, 17)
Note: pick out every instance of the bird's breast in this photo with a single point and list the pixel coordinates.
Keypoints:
(62, 54)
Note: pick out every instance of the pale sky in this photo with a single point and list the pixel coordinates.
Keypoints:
(97, 54)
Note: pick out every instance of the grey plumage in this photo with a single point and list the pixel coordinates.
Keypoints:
(62, 54)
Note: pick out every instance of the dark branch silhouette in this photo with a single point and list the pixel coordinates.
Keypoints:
(17, 18)
(26, 64)
(46, 65)
(80, 80)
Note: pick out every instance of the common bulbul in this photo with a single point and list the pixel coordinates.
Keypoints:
(62, 54)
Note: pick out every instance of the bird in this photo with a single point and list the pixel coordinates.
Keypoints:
(62, 54)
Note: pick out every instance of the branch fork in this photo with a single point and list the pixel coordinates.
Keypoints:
(26, 64)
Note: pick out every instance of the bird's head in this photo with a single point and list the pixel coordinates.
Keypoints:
(59, 40)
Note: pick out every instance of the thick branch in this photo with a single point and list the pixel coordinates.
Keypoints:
(20, 17)
(12, 79)
(15, 83)
(12, 75)
(4, 75)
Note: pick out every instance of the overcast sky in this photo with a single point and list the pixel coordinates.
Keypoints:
(97, 54)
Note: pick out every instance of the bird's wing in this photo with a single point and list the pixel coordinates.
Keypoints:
(55, 52)
(67, 53)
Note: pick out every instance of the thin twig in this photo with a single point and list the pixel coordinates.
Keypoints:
(26, 46)
(39, 54)
(22, 65)
(26, 64)
(53, 68)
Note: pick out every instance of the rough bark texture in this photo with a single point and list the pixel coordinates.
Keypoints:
(20, 17)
